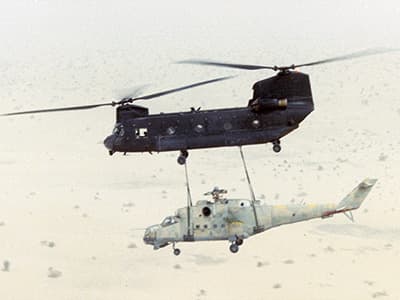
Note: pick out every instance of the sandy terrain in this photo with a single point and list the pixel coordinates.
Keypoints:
(71, 216)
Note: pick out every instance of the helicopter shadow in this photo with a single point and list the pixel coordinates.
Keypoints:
(203, 260)
(7, 162)
(360, 231)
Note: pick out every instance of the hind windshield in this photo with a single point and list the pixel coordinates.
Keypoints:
(169, 221)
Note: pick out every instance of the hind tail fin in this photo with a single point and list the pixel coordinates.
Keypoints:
(353, 200)
(357, 196)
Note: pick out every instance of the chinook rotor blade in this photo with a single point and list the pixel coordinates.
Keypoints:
(113, 103)
(353, 55)
(159, 94)
(129, 93)
(226, 65)
(81, 107)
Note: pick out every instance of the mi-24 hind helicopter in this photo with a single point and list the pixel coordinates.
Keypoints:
(237, 219)
(279, 104)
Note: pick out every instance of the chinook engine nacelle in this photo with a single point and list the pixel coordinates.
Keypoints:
(268, 104)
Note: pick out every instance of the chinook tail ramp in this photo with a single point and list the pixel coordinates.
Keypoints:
(354, 199)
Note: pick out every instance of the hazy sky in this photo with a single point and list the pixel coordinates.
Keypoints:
(72, 40)
(48, 25)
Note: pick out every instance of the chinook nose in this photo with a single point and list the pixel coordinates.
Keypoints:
(109, 142)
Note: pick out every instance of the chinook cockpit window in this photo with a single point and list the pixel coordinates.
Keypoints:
(119, 130)
(169, 221)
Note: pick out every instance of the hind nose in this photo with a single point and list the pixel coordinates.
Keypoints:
(149, 236)
(148, 239)
(109, 142)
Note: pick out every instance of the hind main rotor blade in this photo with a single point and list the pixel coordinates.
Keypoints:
(353, 55)
(226, 65)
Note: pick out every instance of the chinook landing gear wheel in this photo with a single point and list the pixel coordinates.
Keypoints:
(239, 241)
(234, 248)
(181, 160)
(276, 146)
(182, 157)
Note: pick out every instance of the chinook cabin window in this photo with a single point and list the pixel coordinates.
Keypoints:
(171, 130)
(199, 128)
(141, 132)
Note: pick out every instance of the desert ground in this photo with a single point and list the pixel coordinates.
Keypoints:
(72, 217)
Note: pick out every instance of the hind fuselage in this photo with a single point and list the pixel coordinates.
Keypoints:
(238, 219)
(231, 219)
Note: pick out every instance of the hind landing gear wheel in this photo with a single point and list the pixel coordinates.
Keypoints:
(234, 248)
(176, 250)
(182, 157)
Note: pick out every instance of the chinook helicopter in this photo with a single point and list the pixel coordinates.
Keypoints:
(237, 219)
(279, 104)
